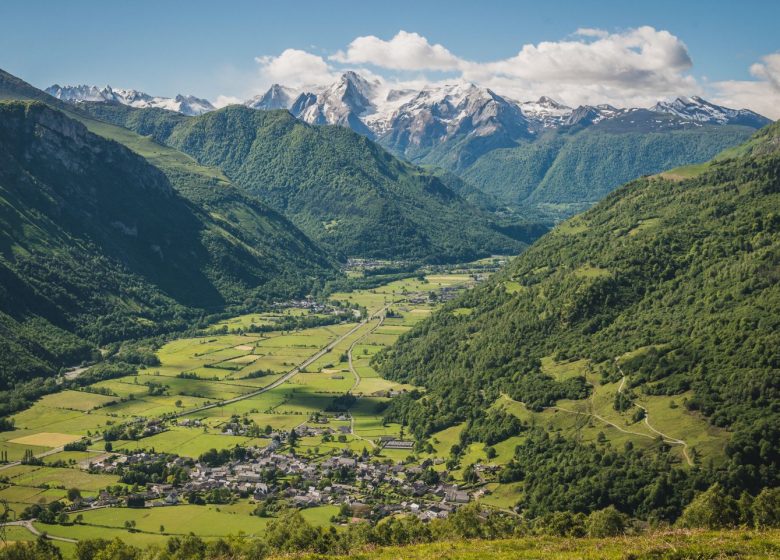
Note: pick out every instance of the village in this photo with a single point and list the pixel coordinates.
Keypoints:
(275, 476)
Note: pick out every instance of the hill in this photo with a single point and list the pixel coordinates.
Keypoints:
(656, 308)
(97, 244)
(336, 185)
(572, 168)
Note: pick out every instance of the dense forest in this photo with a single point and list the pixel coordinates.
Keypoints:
(340, 188)
(98, 245)
(564, 170)
(680, 272)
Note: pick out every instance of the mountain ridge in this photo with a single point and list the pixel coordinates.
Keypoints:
(358, 199)
(535, 157)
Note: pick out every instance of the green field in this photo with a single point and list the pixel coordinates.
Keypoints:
(196, 375)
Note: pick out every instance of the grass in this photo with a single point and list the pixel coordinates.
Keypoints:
(574, 226)
(589, 271)
(502, 496)
(46, 439)
(61, 478)
(644, 225)
(685, 171)
(204, 521)
(667, 544)
(187, 442)
(76, 400)
(561, 371)
(513, 287)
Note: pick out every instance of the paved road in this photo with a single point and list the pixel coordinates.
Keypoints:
(27, 524)
(357, 375)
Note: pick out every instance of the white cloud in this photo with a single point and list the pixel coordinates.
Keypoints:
(225, 100)
(591, 32)
(634, 67)
(405, 51)
(761, 95)
(295, 68)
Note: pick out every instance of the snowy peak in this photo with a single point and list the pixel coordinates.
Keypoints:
(702, 111)
(545, 112)
(345, 102)
(186, 104)
(277, 97)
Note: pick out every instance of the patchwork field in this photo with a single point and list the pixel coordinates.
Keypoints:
(211, 380)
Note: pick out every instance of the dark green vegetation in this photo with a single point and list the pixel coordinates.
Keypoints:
(571, 168)
(681, 274)
(98, 243)
(337, 186)
(468, 533)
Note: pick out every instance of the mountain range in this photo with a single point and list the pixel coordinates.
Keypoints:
(339, 187)
(443, 110)
(106, 234)
(532, 155)
(185, 104)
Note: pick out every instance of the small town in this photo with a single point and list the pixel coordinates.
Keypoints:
(275, 476)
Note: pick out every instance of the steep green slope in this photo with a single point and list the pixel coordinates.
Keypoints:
(97, 245)
(678, 279)
(572, 168)
(337, 186)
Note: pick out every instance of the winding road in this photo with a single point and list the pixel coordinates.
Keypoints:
(27, 524)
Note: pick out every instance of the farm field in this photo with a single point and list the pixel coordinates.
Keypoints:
(203, 383)
(280, 380)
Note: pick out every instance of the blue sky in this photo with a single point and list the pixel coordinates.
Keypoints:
(210, 48)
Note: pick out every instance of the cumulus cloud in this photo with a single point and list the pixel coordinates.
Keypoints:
(633, 67)
(295, 68)
(761, 95)
(405, 51)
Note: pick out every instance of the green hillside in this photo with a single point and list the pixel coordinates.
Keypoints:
(563, 171)
(673, 283)
(98, 245)
(337, 186)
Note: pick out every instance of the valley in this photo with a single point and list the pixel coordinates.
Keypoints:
(230, 388)
(384, 299)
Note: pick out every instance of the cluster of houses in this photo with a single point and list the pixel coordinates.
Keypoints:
(371, 487)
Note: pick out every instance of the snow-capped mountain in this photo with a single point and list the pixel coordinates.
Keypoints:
(186, 104)
(345, 102)
(277, 97)
(411, 121)
(702, 111)
(438, 114)
(546, 111)
(415, 121)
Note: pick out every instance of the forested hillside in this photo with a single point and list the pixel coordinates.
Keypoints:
(337, 186)
(672, 281)
(572, 168)
(98, 245)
